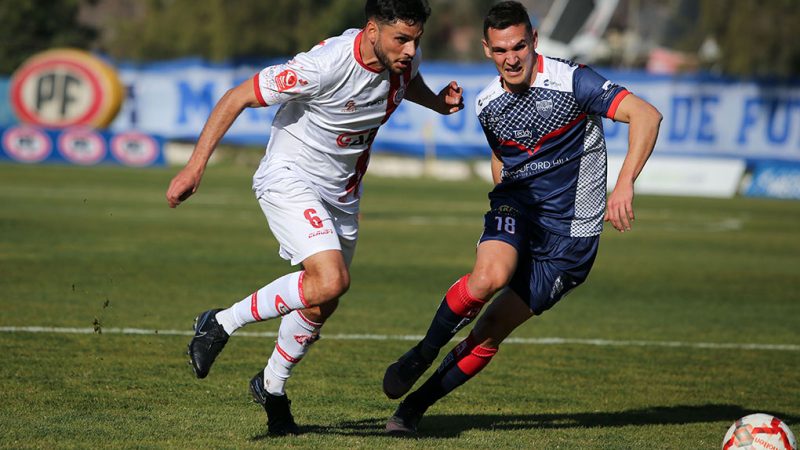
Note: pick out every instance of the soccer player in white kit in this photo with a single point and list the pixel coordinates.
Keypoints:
(333, 100)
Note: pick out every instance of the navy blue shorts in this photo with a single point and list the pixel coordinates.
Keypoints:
(549, 265)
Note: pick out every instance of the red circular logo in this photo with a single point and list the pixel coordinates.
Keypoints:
(65, 87)
(82, 146)
(134, 149)
(27, 144)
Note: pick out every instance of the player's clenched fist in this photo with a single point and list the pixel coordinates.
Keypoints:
(182, 186)
(452, 96)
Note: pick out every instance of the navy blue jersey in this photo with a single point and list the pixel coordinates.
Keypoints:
(550, 140)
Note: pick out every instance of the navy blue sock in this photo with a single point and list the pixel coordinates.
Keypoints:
(457, 310)
(461, 364)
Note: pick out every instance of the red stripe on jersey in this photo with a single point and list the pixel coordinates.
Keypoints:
(540, 62)
(521, 147)
(558, 132)
(257, 88)
(357, 53)
(285, 355)
(477, 359)
(254, 306)
(612, 110)
(397, 90)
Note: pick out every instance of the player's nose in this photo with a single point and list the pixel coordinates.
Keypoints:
(410, 49)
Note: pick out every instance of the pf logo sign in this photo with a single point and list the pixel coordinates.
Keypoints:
(66, 87)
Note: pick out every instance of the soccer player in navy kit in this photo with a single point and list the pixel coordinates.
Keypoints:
(542, 119)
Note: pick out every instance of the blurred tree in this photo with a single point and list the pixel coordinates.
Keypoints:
(220, 29)
(455, 30)
(32, 26)
(748, 37)
(223, 29)
(754, 37)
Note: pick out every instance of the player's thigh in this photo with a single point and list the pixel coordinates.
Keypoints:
(504, 239)
(554, 267)
(495, 263)
(299, 220)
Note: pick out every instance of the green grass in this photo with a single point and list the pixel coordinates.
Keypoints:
(84, 247)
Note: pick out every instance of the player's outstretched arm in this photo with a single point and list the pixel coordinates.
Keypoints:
(448, 100)
(225, 112)
(644, 120)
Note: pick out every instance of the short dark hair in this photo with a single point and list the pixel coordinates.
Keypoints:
(390, 11)
(506, 14)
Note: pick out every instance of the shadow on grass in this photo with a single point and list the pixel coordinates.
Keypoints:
(449, 426)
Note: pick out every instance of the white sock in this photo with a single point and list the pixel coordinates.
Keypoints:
(295, 336)
(278, 298)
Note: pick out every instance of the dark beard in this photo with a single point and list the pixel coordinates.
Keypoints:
(384, 60)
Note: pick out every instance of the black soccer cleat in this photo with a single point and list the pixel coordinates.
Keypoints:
(278, 407)
(403, 373)
(404, 421)
(209, 339)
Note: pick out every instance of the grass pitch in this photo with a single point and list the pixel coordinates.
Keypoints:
(656, 351)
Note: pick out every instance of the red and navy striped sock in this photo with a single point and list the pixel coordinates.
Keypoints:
(457, 309)
(461, 364)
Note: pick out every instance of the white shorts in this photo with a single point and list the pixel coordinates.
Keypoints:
(305, 225)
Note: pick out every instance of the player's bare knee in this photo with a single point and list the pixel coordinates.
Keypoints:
(333, 285)
(485, 283)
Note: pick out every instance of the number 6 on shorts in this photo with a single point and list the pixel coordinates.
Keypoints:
(313, 219)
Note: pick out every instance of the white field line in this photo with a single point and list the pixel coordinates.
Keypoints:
(414, 338)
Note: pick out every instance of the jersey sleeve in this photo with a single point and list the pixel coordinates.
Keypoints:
(297, 79)
(595, 94)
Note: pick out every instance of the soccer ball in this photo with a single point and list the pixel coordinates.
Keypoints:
(757, 432)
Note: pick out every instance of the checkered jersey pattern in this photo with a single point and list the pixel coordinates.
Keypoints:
(550, 140)
(590, 195)
(525, 119)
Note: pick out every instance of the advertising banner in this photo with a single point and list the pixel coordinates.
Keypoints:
(775, 180)
(703, 116)
(80, 145)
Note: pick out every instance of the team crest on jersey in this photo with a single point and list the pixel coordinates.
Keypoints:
(286, 80)
(544, 107)
(399, 94)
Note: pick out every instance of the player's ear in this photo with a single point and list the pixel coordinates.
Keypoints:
(371, 30)
(535, 39)
(486, 49)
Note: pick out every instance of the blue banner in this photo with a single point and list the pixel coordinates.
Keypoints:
(775, 180)
(81, 146)
(703, 115)
(6, 114)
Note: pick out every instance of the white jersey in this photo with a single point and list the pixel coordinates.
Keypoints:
(332, 106)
